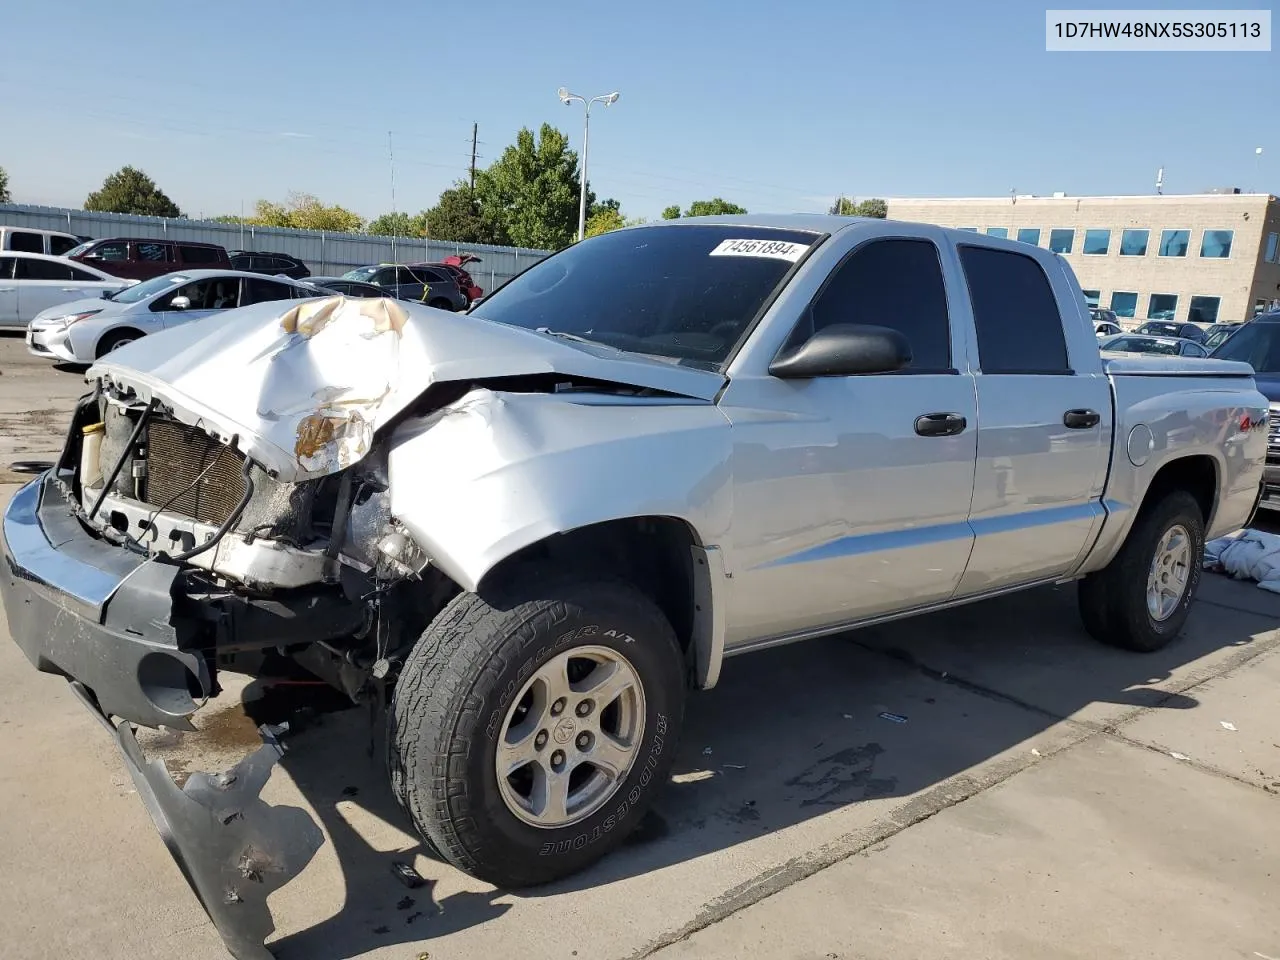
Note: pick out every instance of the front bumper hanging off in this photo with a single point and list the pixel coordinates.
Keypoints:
(105, 619)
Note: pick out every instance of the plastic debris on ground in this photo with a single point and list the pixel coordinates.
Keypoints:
(1227, 725)
(1178, 756)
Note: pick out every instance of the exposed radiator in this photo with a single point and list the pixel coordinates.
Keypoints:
(176, 456)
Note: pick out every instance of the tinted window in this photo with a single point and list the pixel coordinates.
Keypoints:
(60, 245)
(1133, 243)
(891, 283)
(1173, 243)
(1096, 242)
(1124, 304)
(1166, 347)
(190, 255)
(1018, 324)
(1001, 232)
(260, 291)
(1257, 344)
(1061, 241)
(1193, 350)
(1204, 309)
(84, 276)
(25, 242)
(1216, 244)
(1162, 306)
(42, 270)
(242, 261)
(1273, 248)
(1029, 235)
(6, 268)
(1092, 297)
(109, 250)
(152, 252)
(687, 292)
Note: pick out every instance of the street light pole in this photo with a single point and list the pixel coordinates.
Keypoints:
(568, 98)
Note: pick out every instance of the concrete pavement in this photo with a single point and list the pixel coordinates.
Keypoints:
(1028, 806)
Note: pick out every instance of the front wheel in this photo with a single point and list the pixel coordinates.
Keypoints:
(440, 303)
(115, 340)
(530, 730)
(1142, 598)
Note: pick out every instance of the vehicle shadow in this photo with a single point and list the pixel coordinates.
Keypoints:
(796, 732)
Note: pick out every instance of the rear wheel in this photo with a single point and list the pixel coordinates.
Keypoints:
(115, 340)
(440, 303)
(531, 728)
(1141, 599)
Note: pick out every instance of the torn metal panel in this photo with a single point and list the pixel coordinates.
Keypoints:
(304, 388)
(234, 849)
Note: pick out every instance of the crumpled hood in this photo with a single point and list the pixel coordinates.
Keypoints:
(303, 387)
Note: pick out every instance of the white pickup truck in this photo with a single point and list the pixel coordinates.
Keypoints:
(530, 530)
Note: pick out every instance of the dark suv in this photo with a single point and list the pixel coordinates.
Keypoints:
(426, 283)
(272, 264)
(141, 259)
(1257, 343)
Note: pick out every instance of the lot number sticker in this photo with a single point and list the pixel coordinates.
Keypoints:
(774, 249)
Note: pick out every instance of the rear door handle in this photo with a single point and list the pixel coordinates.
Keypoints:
(1081, 419)
(940, 424)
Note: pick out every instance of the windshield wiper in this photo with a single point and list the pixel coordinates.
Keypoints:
(565, 335)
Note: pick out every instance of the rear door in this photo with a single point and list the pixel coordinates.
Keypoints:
(44, 283)
(8, 294)
(255, 290)
(1043, 429)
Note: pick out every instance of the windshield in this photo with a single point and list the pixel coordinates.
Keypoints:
(140, 291)
(77, 251)
(1257, 344)
(683, 292)
(1166, 328)
(360, 273)
(1167, 348)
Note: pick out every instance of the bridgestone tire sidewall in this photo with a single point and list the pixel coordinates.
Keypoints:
(533, 854)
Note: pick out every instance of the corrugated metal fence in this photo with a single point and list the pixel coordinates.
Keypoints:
(326, 254)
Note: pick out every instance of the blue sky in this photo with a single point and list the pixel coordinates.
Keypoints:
(775, 106)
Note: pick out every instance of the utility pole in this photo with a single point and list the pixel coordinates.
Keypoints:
(392, 158)
(475, 128)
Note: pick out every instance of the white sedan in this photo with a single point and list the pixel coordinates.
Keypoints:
(84, 330)
(33, 282)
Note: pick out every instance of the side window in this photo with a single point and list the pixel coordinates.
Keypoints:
(60, 245)
(405, 276)
(6, 268)
(194, 255)
(42, 270)
(384, 277)
(26, 242)
(84, 276)
(260, 291)
(112, 250)
(152, 252)
(892, 283)
(1018, 324)
(1194, 350)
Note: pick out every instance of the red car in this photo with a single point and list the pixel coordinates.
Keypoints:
(455, 265)
(136, 258)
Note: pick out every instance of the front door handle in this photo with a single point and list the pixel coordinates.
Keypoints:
(940, 424)
(1081, 419)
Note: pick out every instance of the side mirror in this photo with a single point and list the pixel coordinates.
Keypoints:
(842, 350)
(180, 303)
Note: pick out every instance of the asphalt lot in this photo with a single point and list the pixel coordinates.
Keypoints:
(1029, 806)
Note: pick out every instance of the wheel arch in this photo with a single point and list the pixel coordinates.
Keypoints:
(114, 334)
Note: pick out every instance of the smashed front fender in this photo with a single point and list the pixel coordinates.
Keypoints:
(234, 849)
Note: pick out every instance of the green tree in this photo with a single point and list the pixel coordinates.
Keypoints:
(873, 207)
(398, 224)
(302, 211)
(604, 220)
(532, 190)
(672, 212)
(458, 216)
(4, 187)
(129, 190)
(713, 208)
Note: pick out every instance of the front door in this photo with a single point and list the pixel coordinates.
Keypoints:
(8, 293)
(204, 298)
(1044, 435)
(851, 494)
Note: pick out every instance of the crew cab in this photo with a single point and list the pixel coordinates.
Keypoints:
(532, 529)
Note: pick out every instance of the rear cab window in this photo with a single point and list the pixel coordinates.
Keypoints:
(24, 241)
(1015, 313)
(60, 245)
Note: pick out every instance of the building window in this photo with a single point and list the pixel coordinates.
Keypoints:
(1273, 248)
(1096, 243)
(968, 229)
(1162, 306)
(1061, 240)
(1124, 304)
(1133, 243)
(1173, 243)
(1029, 235)
(1216, 244)
(1092, 297)
(1204, 309)
(1001, 232)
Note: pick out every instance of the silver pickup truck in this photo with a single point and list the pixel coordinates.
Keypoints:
(528, 531)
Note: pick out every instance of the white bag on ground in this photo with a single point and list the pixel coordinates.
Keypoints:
(1252, 555)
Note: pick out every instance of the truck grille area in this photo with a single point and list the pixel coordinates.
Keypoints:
(191, 473)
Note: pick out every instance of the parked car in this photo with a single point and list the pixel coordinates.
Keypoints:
(424, 283)
(143, 259)
(54, 243)
(456, 266)
(348, 288)
(1138, 343)
(1171, 328)
(1106, 329)
(270, 264)
(532, 528)
(32, 282)
(1218, 333)
(1257, 343)
(82, 331)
